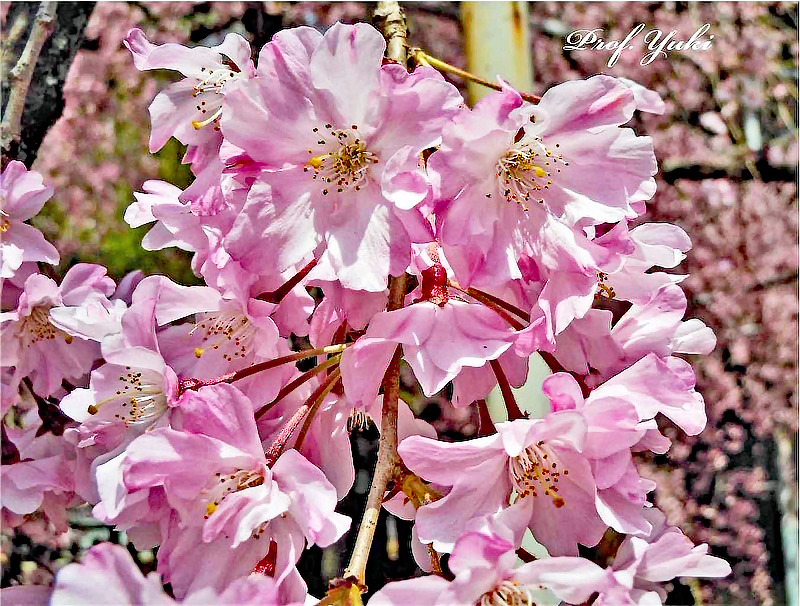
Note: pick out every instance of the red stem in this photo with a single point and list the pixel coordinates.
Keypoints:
(504, 304)
(288, 429)
(513, 322)
(485, 425)
(187, 384)
(505, 388)
(277, 295)
(290, 387)
(555, 366)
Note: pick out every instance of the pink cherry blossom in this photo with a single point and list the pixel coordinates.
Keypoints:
(340, 169)
(539, 460)
(22, 195)
(438, 341)
(43, 477)
(35, 345)
(641, 563)
(214, 476)
(484, 564)
(186, 107)
(514, 179)
(107, 574)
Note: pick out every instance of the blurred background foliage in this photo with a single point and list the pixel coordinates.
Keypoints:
(727, 148)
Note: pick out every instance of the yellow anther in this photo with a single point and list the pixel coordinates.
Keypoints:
(198, 352)
(203, 123)
(67, 339)
(317, 161)
(211, 508)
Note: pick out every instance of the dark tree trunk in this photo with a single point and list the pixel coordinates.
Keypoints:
(44, 102)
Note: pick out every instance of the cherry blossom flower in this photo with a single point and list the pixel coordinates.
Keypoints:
(35, 345)
(107, 574)
(341, 169)
(43, 477)
(641, 563)
(214, 475)
(540, 461)
(438, 341)
(185, 108)
(484, 564)
(22, 195)
(514, 179)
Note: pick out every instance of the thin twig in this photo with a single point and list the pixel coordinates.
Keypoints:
(425, 59)
(292, 424)
(480, 298)
(504, 304)
(11, 126)
(485, 425)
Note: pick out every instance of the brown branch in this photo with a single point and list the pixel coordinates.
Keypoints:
(392, 20)
(20, 78)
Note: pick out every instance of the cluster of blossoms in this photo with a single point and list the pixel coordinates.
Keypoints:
(463, 241)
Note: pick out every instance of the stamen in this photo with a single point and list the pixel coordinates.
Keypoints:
(36, 327)
(139, 400)
(507, 593)
(523, 171)
(231, 331)
(346, 165)
(536, 467)
(203, 123)
(228, 484)
(601, 283)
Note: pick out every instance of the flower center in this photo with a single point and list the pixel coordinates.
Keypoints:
(507, 593)
(526, 170)
(228, 484)
(537, 468)
(603, 286)
(36, 327)
(210, 89)
(232, 331)
(139, 399)
(346, 164)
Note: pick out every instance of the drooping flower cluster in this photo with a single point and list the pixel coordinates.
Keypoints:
(322, 165)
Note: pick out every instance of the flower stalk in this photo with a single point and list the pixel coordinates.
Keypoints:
(290, 387)
(425, 59)
(230, 377)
